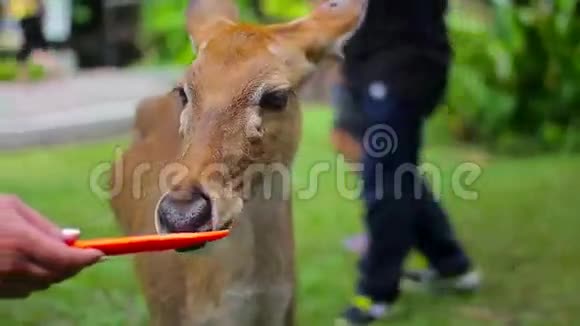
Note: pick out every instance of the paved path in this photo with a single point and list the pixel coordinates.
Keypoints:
(89, 105)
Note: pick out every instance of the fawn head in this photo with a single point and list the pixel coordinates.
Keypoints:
(240, 107)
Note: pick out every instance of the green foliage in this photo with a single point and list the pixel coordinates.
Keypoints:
(164, 36)
(285, 8)
(516, 86)
(81, 13)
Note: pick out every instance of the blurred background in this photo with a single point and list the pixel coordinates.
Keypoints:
(513, 108)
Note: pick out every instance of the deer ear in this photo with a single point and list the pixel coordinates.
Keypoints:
(204, 17)
(326, 30)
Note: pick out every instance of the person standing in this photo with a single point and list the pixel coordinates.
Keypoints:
(396, 68)
(30, 15)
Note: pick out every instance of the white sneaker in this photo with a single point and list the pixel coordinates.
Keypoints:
(363, 311)
(465, 283)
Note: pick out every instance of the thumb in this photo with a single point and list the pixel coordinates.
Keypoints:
(57, 255)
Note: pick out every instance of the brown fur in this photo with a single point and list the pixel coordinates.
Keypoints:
(248, 278)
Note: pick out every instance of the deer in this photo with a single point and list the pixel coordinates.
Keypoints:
(235, 108)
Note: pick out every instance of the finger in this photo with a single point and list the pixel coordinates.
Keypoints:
(9, 293)
(23, 286)
(21, 274)
(57, 256)
(34, 218)
(88, 257)
(29, 271)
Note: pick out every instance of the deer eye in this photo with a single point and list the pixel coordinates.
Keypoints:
(275, 100)
(182, 95)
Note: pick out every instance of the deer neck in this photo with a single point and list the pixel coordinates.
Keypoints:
(268, 210)
(260, 248)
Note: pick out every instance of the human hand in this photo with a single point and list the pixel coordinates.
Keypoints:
(33, 252)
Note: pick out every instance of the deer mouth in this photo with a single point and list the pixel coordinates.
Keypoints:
(180, 214)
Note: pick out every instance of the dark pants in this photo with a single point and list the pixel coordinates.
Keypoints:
(33, 37)
(401, 212)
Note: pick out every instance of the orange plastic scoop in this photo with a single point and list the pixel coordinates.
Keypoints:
(149, 243)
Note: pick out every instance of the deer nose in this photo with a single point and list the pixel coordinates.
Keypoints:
(179, 212)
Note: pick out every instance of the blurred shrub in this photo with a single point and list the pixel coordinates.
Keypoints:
(286, 9)
(164, 36)
(516, 86)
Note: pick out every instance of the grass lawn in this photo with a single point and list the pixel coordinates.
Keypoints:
(9, 71)
(522, 231)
